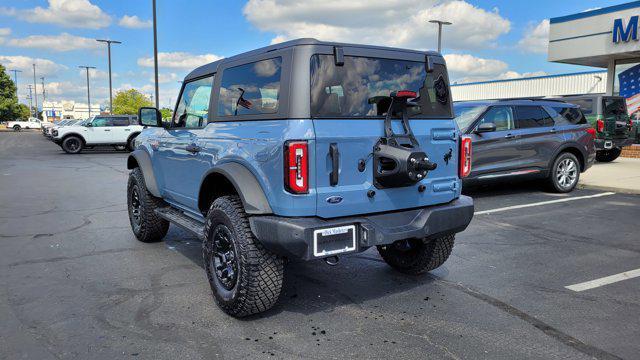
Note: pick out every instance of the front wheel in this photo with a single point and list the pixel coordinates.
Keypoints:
(608, 155)
(72, 145)
(147, 226)
(565, 173)
(417, 256)
(245, 278)
(16, 128)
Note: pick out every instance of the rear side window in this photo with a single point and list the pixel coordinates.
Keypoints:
(572, 115)
(360, 88)
(120, 121)
(586, 105)
(532, 117)
(250, 89)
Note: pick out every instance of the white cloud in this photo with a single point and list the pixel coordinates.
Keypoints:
(536, 38)
(4, 32)
(179, 60)
(97, 74)
(380, 22)
(62, 42)
(134, 22)
(165, 78)
(464, 68)
(65, 13)
(24, 63)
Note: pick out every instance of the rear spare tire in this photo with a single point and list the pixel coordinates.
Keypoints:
(245, 277)
(417, 256)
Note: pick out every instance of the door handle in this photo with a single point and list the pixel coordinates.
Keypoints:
(127, 129)
(107, 129)
(510, 136)
(335, 164)
(193, 148)
(553, 130)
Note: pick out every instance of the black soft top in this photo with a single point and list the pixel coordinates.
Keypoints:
(213, 67)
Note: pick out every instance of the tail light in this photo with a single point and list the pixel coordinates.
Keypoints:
(600, 125)
(296, 167)
(465, 156)
(592, 132)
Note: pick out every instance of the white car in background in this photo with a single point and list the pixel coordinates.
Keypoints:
(31, 123)
(118, 131)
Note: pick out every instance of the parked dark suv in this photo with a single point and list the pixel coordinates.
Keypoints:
(608, 116)
(545, 138)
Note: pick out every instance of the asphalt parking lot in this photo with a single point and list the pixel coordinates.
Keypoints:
(75, 283)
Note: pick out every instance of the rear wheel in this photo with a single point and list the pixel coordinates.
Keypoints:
(72, 145)
(417, 256)
(245, 278)
(608, 155)
(565, 173)
(16, 128)
(147, 226)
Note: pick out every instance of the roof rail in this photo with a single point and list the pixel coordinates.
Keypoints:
(531, 99)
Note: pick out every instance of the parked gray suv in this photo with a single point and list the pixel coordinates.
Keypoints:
(545, 138)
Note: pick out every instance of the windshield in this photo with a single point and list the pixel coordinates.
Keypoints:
(361, 87)
(467, 114)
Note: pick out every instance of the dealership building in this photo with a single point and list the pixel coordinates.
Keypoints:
(605, 38)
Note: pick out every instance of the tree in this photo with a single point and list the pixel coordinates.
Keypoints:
(23, 112)
(9, 109)
(129, 101)
(166, 113)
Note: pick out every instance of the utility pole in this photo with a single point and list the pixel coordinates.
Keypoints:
(88, 91)
(155, 52)
(109, 42)
(15, 80)
(440, 23)
(30, 98)
(43, 92)
(35, 89)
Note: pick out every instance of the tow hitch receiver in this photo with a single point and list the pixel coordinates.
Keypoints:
(398, 159)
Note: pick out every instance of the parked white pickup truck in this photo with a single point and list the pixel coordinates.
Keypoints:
(103, 130)
(32, 123)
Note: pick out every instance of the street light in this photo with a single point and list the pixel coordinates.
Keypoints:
(88, 91)
(155, 53)
(109, 42)
(35, 89)
(440, 23)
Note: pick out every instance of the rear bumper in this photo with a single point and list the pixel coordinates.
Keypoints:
(293, 237)
(602, 144)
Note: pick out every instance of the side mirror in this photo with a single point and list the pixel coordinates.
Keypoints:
(486, 127)
(149, 116)
(89, 124)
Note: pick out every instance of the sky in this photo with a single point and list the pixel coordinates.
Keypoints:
(488, 40)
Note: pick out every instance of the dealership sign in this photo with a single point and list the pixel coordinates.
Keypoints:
(625, 33)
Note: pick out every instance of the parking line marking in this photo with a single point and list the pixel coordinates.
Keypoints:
(542, 203)
(604, 281)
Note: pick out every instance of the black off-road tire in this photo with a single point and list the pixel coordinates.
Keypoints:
(72, 145)
(258, 273)
(420, 256)
(608, 155)
(554, 181)
(130, 143)
(149, 227)
(16, 128)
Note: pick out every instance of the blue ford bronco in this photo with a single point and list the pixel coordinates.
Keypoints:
(304, 150)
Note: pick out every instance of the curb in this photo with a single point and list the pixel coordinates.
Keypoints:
(610, 188)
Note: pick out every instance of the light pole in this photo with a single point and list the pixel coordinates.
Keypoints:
(15, 80)
(30, 98)
(440, 23)
(88, 91)
(155, 52)
(109, 42)
(43, 92)
(35, 89)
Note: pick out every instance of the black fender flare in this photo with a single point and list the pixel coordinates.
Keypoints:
(142, 159)
(571, 145)
(132, 135)
(245, 184)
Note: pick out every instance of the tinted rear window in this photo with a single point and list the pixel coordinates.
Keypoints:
(531, 117)
(572, 115)
(586, 105)
(614, 106)
(358, 88)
